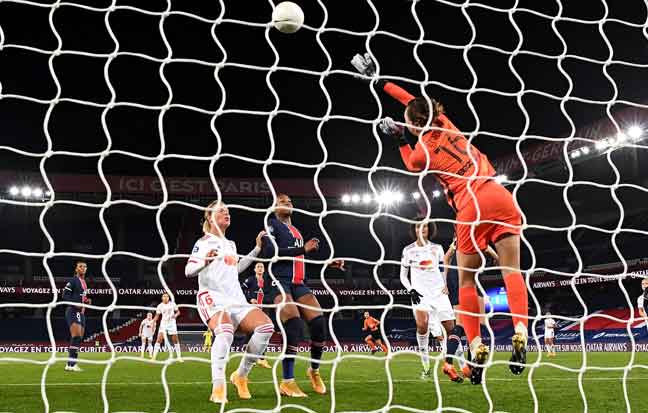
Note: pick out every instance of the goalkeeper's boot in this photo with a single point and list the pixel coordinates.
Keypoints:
(263, 363)
(290, 388)
(75, 368)
(316, 380)
(241, 384)
(518, 354)
(449, 370)
(480, 357)
(219, 394)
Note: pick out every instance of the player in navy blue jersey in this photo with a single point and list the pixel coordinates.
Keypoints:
(290, 273)
(75, 291)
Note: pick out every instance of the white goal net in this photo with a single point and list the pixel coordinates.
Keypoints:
(142, 100)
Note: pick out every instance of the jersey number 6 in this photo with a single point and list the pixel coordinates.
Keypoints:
(209, 300)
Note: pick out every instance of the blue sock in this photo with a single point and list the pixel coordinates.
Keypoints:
(288, 368)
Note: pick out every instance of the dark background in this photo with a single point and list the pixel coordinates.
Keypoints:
(87, 90)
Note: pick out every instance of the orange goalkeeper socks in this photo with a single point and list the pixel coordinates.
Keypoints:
(470, 303)
(518, 300)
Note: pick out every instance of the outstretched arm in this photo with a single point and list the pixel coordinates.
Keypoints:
(397, 92)
(366, 66)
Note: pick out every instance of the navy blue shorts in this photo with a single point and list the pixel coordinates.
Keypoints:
(74, 315)
(295, 290)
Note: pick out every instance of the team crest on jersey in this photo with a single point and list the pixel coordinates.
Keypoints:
(195, 249)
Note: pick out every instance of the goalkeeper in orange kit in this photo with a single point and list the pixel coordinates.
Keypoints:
(484, 209)
(374, 339)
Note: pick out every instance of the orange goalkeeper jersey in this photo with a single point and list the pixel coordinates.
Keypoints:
(371, 324)
(448, 152)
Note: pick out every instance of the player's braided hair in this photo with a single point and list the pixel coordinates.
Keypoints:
(432, 228)
(418, 111)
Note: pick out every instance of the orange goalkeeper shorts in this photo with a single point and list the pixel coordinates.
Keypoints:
(495, 204)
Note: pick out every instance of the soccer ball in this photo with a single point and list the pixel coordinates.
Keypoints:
(287, 17)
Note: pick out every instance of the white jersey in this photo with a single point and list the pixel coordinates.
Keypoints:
(167, 311)
(147, 326)
(640, 301)
(549, 324)
(423, 263)
(221, 275)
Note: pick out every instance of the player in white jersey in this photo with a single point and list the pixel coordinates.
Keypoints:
(549, 334)
(146, 331)
(642, 300)
(168, 312)
(222, 306)
(428, 290)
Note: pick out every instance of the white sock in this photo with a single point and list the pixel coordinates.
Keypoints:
(255, 348)
(223, 337)
(156, 349)
(150, 349)
(424, 348)
(177, 350)
(460, 355)
(142, 348)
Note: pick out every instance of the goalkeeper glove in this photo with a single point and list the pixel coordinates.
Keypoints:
(390, 128)
(364, 64)
(416, 297)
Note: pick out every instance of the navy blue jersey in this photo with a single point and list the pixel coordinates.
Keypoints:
(253, 289)
(75, 290)
(291, 244)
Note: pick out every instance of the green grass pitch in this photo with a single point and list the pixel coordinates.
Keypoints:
(361, 385)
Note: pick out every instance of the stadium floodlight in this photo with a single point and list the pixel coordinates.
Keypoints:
(48, 193)
(26, 191)
(366, 198)
(14, 191)
(436, 193)
(585, 150)
(398, 196)
(37, 192)
(355, 198)
(387, 197)
(346, 198)
(575, 154)
(416, 195)
(635, 132)
(601, 145)
(621, 137)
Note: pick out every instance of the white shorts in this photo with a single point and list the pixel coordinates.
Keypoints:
(170, 328)
(549, 334)
(438, 306)
(147, 337)
(210, 302)
(434, 326)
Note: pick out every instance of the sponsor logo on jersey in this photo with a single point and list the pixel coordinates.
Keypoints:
(230, 259)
